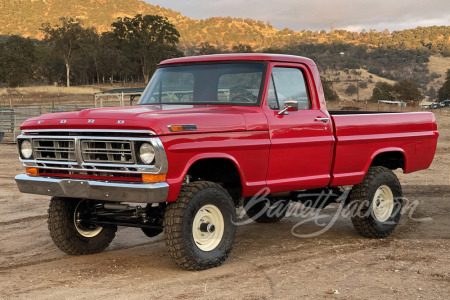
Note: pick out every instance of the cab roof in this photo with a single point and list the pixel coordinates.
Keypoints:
(238, 57)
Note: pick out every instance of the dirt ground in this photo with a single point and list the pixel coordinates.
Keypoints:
(268, 261)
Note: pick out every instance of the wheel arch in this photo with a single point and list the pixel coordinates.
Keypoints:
(206, 166)
(391, 158)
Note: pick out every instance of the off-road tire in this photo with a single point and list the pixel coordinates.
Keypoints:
(65, 234)
(269, 215)
(178, 226)
(362, 198)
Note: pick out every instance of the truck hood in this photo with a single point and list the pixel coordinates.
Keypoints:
(156, 118)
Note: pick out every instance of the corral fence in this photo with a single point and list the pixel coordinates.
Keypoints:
(14, 110)
(12, 118)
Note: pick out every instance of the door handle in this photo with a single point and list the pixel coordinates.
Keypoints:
(322, 119)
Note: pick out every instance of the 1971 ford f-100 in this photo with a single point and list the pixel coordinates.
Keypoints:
(208, 133)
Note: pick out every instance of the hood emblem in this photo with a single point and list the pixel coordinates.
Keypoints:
(120, 121)
(40, 121)
(63, 121)
(91, 121)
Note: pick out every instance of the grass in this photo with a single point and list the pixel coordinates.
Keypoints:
(364, 94)
(48, 89)
(439, 65)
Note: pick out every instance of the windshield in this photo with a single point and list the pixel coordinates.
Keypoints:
(221, 83)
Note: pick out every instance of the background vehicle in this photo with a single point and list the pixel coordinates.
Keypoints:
(445, 102)
(208, 134)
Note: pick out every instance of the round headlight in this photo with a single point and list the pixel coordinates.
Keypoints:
(25, 149)
(146, 153)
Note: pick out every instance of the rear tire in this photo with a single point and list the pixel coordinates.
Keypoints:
(200, 227)
(71, 230)
(378, 199)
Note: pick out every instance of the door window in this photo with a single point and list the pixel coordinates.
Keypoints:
(287, 84)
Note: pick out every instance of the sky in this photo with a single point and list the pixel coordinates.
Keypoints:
(298, 15)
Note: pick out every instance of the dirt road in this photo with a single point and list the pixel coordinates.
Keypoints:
(268, 261)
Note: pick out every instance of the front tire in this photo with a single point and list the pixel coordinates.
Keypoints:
(71, 229)
(200, 227)
(378, 203)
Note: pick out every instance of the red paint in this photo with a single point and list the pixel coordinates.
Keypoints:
(285, 152)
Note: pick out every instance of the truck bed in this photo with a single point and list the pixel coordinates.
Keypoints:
(361, 136)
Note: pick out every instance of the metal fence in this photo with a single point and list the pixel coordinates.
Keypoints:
(13, 112)
(12, 118)
(16, 108)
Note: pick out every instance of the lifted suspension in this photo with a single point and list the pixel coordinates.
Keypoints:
(131, 216)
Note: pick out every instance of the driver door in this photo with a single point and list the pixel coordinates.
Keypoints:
(302, 140)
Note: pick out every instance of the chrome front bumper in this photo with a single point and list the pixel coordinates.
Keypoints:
(96, 190)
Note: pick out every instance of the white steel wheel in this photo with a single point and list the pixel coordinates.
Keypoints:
(208, 227)
(86, 230)
(200, 227)
(383, 203)
(378, 202)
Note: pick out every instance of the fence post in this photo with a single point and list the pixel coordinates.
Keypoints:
(13, 124)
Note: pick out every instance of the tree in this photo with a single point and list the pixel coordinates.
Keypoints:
(147, 39)
(382, 91)
(112, 60)
(444, 91)
(363, 85)
(407, 90)
(432, 94)
(67, 40)
(17, 60)
(206, 48)
(273, 50)
(241, 48)
(330, 95)
(351, 89)
(50, 68)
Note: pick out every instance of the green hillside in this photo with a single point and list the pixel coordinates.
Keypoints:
(24, 17)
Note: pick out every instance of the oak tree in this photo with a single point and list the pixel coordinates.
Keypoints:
(148, 40)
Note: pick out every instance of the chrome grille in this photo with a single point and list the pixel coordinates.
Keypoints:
(58, 150)
(92, 151)
(107, 151)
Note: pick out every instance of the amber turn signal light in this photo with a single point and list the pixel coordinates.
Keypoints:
(148, 178)
(184, 127)
(32, 171)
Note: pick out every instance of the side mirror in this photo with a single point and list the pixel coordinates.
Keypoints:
(289, 105)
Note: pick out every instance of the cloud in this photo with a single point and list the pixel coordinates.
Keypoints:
(319, 14)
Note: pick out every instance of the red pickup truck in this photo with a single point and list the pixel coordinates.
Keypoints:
(209, 133)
